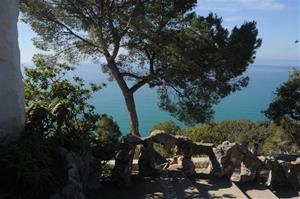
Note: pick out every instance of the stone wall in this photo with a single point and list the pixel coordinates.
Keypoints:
(12, 114)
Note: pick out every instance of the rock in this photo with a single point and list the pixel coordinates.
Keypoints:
(56, 196)
(232, 155)
(11, 85)
(121, 175)
(8, 196)
(71, 191)
(277, 176)
(150, 161)
(294, 174)
(73, 174)
(61, 151)
(71, 159)
(83, 174)
(286, 157)
(165, 139)
(207, 149)
(90, 172)
(188, 166)
(185, 148)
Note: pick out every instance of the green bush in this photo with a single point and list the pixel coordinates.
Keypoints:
(276, 142)
(270, 137)
(203, 133)
(30, 168)
(167, 126)
(107, 130)
(57, 106)
(58, 114)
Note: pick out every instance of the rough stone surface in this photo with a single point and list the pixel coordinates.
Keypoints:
(56, 196)
(149, 161)
(83, 174)
(232, 155)
(277, 177)
(12, 118)
(185, 148)
(294, 174)
(225, 159)
(207, 149)
(121, 175)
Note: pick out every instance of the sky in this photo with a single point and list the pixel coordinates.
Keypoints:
(277, 23)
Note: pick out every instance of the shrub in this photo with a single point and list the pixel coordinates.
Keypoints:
(269, 137)
(167, 126)
(107, 130)
(30, 168)
(203, 133)
(58, 106)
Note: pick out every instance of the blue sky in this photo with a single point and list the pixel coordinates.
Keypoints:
(277, 22)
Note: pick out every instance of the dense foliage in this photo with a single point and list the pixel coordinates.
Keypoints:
(193, 60)
(57, 106)
(270, 137)
(285, 108)
(108, 130)
(58, 115)
(287, 100)
(30, 168)
(167, 126)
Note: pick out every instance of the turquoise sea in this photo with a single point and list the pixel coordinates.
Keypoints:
(245, 104)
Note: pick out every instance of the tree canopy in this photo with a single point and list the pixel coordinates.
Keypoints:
(193, 60)
(287, 100)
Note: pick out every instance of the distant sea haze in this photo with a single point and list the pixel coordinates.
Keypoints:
(246, 104)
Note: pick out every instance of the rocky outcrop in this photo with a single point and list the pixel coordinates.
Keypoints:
(151, 163)
(121, 174)
(12, 117)
(83, 175)
(294, 174)
(225, 159)
(283, 173)
(233, 155)
(277, 176)
(208, 149)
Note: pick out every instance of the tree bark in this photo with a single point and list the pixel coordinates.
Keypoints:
(128, 96)
(133, 118)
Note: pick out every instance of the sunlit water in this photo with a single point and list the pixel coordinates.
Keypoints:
(245, 104)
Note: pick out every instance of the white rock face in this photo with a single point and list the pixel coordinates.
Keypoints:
(12, 114)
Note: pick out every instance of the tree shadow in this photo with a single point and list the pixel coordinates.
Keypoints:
(286, 193)
(209, 185)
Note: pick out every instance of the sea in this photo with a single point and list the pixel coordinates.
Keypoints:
(246, 104)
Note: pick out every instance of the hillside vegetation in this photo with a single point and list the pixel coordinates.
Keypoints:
(270, 137)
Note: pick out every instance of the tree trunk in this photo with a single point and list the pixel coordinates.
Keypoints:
(128, 96)
(133, 118)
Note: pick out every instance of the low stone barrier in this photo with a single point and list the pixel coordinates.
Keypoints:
(223, 160)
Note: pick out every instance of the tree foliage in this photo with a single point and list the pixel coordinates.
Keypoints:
(108, 130)
(285, 108)
(56, 105)
(287, 100)
(193, 60)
